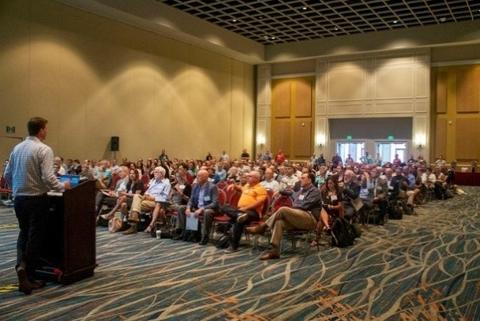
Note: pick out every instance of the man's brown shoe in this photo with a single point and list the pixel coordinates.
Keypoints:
(23, 283)
(131, 230)
(270, 255)
(257, 229)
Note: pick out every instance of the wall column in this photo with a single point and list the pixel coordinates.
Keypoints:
(264, 109)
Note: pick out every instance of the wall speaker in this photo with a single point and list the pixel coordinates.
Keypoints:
(114, 143)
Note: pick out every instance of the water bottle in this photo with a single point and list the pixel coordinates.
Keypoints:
(158, 234)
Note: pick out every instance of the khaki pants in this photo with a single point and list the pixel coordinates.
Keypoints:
(140, 205)
(286, 218)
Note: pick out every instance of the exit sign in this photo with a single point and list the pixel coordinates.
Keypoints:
(349, 137)
(390, 137)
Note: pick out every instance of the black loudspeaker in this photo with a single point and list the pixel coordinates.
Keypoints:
(114, 143)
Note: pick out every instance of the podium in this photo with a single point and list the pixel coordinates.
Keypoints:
(69, 251)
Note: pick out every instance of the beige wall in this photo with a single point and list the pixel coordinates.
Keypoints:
(94, 78)
(386, 85)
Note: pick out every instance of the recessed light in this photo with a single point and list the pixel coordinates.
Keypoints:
(304, 8)
(273, 37)
(265, 37)
(234, 20)
(443, 19)
(395, 21)
(336, 28)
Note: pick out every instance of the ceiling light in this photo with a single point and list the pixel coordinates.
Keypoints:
(395, 21)
(265, 37)
(273, 37)
(443, 19)
(234, 20)
(304, 8)
(336, 28)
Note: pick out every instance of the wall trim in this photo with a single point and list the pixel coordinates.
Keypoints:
(305, 74)
(456, 63)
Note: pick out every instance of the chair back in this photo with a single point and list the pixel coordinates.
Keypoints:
(222, 197)
(222, 185)
(281, 201)
(233, 196)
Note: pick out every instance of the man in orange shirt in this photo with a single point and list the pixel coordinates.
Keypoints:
(250, 206)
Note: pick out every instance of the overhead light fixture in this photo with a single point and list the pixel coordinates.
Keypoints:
(304, 8)
(265, 37)
(234, 20)
(395, 21)
(336, 28)
(443, 19)
(273, 37)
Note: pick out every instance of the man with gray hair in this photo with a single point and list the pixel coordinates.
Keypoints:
(158, 192)
(203, 202)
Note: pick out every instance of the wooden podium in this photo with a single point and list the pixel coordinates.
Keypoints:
(69, 246)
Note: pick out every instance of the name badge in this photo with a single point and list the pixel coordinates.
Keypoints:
(301, 197)
(206, 198)
(181, 186)
(333, 197)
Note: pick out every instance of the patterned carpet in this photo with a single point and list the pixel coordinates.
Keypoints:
(424, 267)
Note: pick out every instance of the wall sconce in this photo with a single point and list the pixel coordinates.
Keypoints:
(420, 141)
(320, 140)
(261, 139)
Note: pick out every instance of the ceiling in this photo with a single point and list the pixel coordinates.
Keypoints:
(283, 21)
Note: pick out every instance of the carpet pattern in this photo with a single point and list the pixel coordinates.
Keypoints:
(424, 267)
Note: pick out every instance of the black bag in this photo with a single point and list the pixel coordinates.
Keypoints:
(102, 222)
(395, 211)
(374, 217)
(144, 222)
(343, 233)
(223, 242)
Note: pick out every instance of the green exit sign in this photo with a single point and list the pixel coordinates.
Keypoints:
(349, 137)
(390, 137)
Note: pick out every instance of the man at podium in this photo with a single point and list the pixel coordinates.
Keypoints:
(31, 175)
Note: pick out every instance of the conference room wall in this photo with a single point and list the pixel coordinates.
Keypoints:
(93, 78)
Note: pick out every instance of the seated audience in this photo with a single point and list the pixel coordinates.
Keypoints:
(250, 206)
(303, 215)
(155, 198)
(350, 194)
(203, 201)
(109, 197)
(269, 183)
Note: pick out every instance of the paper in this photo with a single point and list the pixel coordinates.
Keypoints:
(192, 223)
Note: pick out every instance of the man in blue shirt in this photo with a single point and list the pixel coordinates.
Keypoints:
(155, 198)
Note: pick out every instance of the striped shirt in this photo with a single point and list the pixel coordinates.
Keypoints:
(30, 169)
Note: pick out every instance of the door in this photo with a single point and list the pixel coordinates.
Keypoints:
(292, 117)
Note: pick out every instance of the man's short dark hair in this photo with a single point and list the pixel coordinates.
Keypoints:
(35, 124)
(312, 178)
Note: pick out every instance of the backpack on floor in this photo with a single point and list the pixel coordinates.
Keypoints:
(343, 233)
(395, 211)
(223, 242)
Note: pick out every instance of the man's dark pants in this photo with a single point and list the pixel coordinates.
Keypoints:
(31, 212)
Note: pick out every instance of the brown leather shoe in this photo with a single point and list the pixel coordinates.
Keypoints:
(131, 230)
(23, 283)
(258, 229)
(270, 255)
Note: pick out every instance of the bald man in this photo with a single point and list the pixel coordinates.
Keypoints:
(203, 204)
(250, 206)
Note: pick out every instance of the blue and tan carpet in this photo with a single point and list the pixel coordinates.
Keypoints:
(424, 267)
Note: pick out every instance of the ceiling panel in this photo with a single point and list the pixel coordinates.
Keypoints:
(281, 21)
